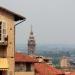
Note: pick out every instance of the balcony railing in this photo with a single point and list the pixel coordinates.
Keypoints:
(3, 43)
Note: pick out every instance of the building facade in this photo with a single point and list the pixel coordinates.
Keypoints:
(64, 62)
(24, 64)
(7, 41)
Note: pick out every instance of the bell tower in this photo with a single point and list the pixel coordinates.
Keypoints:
(31, 43)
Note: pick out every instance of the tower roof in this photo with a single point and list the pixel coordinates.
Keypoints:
(31, 33)
(16, 16)
(31, 37)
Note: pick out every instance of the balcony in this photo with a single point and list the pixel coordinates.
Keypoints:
(3, 43)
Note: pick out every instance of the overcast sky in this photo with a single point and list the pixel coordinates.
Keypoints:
(53, 20)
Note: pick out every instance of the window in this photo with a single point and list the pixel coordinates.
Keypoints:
(2, 31)
(28, 66)
(23, 67)
(19, 67)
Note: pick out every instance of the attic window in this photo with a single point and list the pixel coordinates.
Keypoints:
(2, 31)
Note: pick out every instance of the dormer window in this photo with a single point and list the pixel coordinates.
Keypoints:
(3, 33)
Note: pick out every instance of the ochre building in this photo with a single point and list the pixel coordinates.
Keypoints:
(7, 41)
(24, 64)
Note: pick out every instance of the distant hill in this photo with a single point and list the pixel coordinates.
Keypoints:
(51, 50)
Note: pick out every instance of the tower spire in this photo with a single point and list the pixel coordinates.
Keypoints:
(31, 33)
(31, 28)
(31, 43)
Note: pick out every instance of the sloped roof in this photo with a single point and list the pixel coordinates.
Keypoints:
(71, 73)
(16, 16)
(45, 69)
(20, 57)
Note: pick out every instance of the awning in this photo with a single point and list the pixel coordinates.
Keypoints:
(3, 69)
(3, 63)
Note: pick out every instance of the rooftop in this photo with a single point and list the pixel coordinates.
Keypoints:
(45, 69)
(16, 16)
(20, 57)
(41, 68)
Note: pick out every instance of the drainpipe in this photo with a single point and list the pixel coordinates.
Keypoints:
(14, 40)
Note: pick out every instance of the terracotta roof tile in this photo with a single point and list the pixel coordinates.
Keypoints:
(20, 57)
(40, 68)
(72, 73)
(45, 69)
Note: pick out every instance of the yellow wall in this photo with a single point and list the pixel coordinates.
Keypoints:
(24, 73)
(8, 52)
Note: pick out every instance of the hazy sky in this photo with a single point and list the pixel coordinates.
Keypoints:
(53, 20)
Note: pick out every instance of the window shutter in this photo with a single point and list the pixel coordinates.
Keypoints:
(0, 29)
(4, 30)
